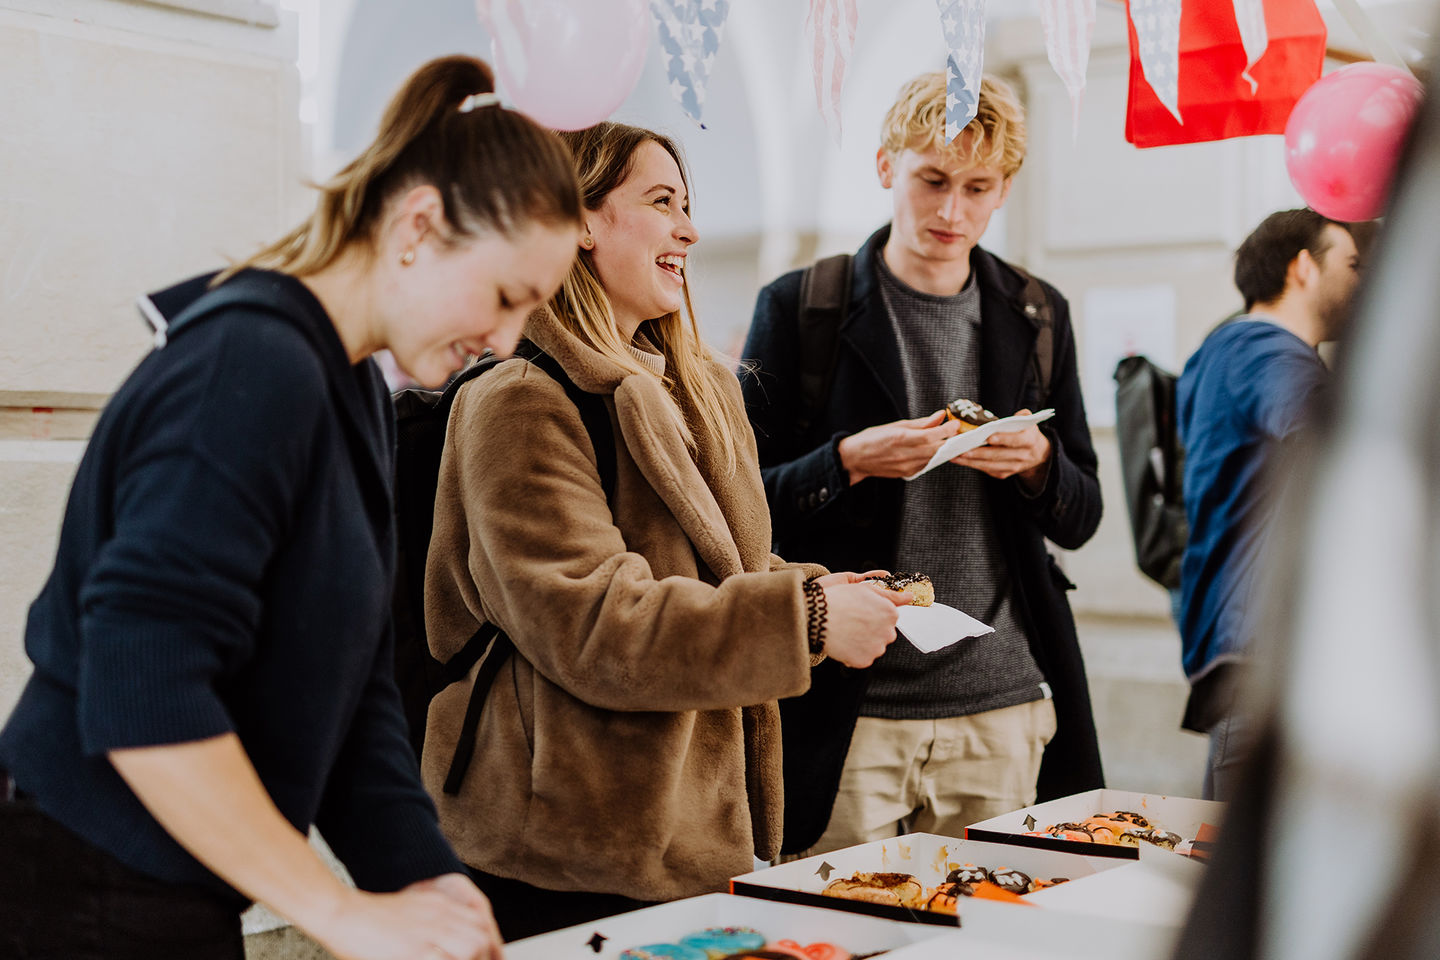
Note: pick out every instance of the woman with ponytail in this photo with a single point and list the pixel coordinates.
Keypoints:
(628, 751)
(212, 655)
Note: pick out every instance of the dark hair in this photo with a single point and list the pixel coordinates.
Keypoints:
(494, 168)
(1264, 258)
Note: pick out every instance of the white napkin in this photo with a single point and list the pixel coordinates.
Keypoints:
(970, 439)
(937, 626)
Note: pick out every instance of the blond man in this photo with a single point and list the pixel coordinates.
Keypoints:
(853, 361)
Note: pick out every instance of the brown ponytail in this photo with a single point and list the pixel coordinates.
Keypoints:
(495, 169)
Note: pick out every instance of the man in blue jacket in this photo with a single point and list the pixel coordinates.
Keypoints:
(1247, 390)
(933, 742)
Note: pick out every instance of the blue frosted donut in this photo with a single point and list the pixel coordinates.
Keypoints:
(664, 951)
(723, 941)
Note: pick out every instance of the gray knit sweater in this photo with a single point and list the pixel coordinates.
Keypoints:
(946, 532)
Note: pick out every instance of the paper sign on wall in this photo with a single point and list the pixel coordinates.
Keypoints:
(1122, 322)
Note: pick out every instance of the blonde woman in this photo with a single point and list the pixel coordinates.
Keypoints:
(212, 658)
(628, 751)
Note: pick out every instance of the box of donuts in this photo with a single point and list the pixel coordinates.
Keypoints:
(722, 926)
(921, 877)
(1109, 823)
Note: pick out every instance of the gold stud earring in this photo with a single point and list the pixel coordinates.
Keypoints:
(587, 243)
(407, 258)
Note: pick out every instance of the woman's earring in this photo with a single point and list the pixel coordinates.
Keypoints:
(407, 258)
(587, 243)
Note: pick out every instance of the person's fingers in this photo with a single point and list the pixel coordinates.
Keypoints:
(933, 419)
(898, 597)
(871, 574)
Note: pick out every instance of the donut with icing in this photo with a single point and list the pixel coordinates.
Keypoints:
(969, 873)
(890, 889)
(1011, 880)
(1134, 819)
(718, 942)
(969, 414)
(918, 585)
(1161, 838)
(944, 898)
(811, 951)
(664, 951)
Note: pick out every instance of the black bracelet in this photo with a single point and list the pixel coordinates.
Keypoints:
(815, 615)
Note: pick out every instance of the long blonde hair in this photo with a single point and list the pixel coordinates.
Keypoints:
(604, 155)
(495, 169)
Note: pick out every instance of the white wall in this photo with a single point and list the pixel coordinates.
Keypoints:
(142, 144)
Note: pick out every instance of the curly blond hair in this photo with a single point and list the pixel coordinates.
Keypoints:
(916, 121)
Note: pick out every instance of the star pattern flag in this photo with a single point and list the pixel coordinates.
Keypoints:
(1069, 25)
(1250, 18)
(830, 32)
(689, 32)
(964, 24)
(1155, 24)
(1212, 91)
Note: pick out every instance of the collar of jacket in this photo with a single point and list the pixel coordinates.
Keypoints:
(691, 487)
(1007, 334)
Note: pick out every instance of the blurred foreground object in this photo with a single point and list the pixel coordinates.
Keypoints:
(1330, 848)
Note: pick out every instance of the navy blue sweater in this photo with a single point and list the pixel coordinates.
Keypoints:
(225, 565)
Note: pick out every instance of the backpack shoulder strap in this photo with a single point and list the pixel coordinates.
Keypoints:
(824, 304)
(491, 646)
(1036, 304)
(593, 414)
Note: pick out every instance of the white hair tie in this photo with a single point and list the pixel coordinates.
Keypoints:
(479, 100)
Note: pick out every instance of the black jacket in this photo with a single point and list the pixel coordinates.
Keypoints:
(225, 565)
(818, 517)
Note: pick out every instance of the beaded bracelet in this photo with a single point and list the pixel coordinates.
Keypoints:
(815, 615)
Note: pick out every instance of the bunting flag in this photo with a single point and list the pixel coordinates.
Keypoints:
(1250, 18)
(1155, 27)
(1212, 91)
(689, 32)
(964, 24)
(830, 30)
(1068, 26)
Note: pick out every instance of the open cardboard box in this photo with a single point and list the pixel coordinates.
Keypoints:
(1191, 819)
(928, 857)
(999, 931)
(607, 939)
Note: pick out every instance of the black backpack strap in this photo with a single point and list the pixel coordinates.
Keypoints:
(1037, 306)
(496, 648)
(593, 413)
(824, 304)
(490, 646)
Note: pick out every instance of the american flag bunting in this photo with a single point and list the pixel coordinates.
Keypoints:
(1069, 25)
(1250, 18)
(1157, 30)
(830, 31)
(689, 33)
(964, 24)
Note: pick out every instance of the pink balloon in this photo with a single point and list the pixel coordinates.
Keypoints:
(1344, 137)
(567, 63)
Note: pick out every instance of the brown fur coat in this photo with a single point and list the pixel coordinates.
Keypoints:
(613, 753)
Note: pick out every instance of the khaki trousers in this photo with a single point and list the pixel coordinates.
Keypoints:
(937, 776)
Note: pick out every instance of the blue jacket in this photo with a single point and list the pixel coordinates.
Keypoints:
(225, 565)
(819, 518)
(1242, 394)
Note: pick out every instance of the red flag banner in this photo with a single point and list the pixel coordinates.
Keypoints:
(1215, 98)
